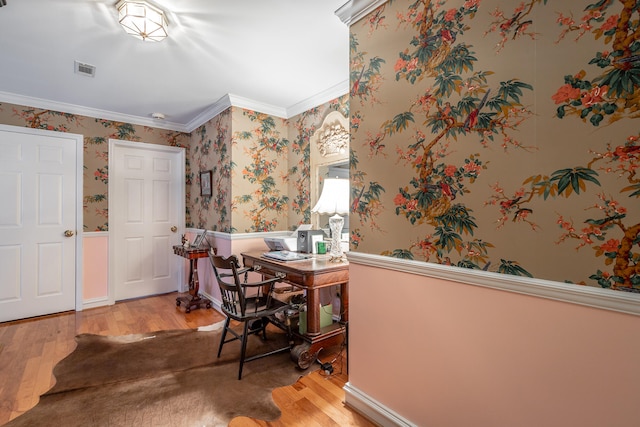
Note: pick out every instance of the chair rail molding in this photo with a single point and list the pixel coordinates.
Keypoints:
(605, 299)
(90, 234)
(240, 236)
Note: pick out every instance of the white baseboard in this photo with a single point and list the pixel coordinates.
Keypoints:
(215, 304)
(371, 409)
(95, 302)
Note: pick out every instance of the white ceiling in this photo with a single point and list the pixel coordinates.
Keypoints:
(279, 56)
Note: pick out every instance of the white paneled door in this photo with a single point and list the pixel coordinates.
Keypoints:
(40, 182)
(146, 218)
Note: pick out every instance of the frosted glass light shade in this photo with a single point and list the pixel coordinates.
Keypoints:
(334, 198)
(142, 20)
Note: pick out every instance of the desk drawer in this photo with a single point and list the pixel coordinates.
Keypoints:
(286, 276)
(306, 274)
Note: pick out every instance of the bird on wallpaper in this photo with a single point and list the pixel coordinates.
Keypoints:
(446, 190)
(356, 201)
(446, 111)
(446, 35)
(441, 53)
(509, 22)
(633, 59)
(356, 83)
(472, 118)
(508, 204)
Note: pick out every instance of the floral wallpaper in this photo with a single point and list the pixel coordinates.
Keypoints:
(211, 151)
(97, 133)
(259, 189)
(260, 166)
(499, 135)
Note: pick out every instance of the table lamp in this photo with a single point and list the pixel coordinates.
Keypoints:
(334, 200)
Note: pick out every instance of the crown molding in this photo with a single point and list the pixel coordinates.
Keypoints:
(250, 104)
(207, 114)
(231, 100)
(218, 107)
(354, 10)
(63, 107)
(327, 95)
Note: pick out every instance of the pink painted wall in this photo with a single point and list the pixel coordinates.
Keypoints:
(441, 353)
(95, 268)
(225, 247)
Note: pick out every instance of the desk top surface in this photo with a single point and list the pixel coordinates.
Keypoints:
(314, 264)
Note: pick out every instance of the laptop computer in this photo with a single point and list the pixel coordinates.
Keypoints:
(285, 255)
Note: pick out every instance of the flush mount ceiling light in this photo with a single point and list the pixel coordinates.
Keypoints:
(142, 20)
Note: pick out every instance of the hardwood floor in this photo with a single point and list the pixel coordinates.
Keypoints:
(29, 349)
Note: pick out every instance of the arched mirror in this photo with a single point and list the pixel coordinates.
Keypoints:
(329, 158)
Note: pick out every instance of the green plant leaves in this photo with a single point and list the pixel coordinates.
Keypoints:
(573, 179)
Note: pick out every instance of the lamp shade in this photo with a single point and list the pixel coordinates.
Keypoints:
(334, 198)
(142, 20)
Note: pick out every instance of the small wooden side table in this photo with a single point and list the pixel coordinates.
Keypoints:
(193, 299)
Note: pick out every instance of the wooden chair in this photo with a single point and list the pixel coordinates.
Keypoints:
(251, 304)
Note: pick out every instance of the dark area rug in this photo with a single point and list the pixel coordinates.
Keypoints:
(166, 378)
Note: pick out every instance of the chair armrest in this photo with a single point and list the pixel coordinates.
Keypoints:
(240, 272)
(261, 283)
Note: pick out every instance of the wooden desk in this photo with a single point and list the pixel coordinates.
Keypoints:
(311, 275)
(193, 299)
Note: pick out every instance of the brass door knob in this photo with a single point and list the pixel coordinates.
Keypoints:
(68, 233)
(174, 229)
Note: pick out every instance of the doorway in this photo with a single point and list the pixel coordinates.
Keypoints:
(40, 222)
(146, 218)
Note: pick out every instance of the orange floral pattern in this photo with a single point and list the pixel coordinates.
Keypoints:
(448, 124)
(97, 133)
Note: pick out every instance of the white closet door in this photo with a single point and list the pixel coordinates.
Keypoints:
(38, 221)
(146, 217)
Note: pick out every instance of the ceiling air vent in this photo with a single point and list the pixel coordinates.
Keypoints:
(85, 69)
